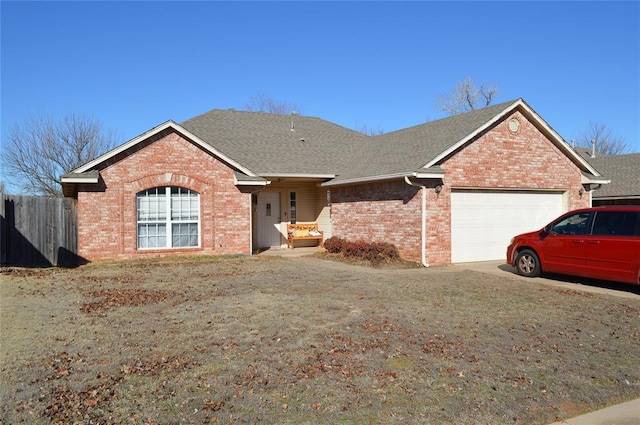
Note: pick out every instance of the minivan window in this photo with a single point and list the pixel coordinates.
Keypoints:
(617, 223)
(575, 224)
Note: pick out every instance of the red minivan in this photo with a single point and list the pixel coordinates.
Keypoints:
(599, 243)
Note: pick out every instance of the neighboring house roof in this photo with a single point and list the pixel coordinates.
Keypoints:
(624, 172)
(260, 146)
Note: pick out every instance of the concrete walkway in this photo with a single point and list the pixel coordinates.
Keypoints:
(621, 414)
(287, 252)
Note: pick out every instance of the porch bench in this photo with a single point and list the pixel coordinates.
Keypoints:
(303, 232)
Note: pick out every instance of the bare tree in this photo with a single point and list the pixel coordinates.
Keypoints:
(262, 102)
(36, 153)
(466, 97)
(605, 142)
(369, 131)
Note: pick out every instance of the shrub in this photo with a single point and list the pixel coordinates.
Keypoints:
(334, 245)
(358, 249)
(387, 251)
(374, 252)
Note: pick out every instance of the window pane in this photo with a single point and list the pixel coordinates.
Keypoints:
(152, 236)
(575, 224)
(615, 223)
(184, 234)
(142, 236)
(184, 204)
(151, 205)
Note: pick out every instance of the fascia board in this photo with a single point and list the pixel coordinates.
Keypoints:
(298, 175)
(250, 182)
(614, 198)
(556, 138)
(383, 177)
(155, 131)
(419, 175)
(594, 180)
(83, 179)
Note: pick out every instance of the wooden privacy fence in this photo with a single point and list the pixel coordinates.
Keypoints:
(38, 231)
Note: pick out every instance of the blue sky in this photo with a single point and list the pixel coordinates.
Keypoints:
(134, 65)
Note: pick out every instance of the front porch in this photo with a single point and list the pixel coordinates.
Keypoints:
(285, 201)
(290, 253)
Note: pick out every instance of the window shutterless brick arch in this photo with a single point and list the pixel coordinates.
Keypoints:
(107, 213)
(161, 180)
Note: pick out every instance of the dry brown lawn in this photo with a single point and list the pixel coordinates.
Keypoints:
(306, 341)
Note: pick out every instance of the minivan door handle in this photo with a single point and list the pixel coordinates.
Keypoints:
(578, 241)
(593, 242)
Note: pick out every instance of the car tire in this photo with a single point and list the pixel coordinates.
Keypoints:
(528, 263)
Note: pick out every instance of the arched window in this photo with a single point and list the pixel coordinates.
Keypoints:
(168, 217)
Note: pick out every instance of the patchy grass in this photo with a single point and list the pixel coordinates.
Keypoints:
(262, 339)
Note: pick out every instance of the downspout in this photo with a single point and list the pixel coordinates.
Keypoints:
(423, 248)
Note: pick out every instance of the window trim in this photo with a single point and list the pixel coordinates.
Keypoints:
(293, 207)
(168, 222)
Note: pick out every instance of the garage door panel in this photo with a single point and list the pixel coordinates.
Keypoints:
(483, 222)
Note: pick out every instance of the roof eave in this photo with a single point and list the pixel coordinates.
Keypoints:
(298, 175)
(369, 179)
(590, 179)
(79, 179)
(614, 198)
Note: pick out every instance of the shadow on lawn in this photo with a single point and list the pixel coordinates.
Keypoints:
(594, 283)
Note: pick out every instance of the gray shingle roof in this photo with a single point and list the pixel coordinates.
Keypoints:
(624, 172)
(410, 149)
(269, 144)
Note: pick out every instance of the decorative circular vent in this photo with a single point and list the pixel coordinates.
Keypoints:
(514, 125)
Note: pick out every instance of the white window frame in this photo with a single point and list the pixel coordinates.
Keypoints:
(293, 207)
(163, 215)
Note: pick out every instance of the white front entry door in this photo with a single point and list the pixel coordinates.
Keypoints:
(483, 221)
(269, 220)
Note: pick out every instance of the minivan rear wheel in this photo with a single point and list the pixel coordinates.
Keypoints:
(528, 263)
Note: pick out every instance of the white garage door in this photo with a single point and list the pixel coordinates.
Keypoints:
(483, 222)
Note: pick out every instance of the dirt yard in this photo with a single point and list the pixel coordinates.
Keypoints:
(306, 341)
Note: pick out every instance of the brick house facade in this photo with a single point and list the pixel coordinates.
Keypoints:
(256, 172)
(108, 216)
(498, 159)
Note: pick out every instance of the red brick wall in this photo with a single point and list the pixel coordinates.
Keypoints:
(378, 212)
(498, 159)
(107, 213)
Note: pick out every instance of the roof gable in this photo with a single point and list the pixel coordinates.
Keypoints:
(154, 131)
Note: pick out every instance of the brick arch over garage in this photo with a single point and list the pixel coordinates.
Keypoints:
(131, 189)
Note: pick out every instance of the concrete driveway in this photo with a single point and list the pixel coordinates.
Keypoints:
(569, 282)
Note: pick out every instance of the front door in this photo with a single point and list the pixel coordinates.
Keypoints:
(269, 220)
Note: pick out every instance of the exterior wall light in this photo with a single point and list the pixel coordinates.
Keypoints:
(581, 191)
(438, 189)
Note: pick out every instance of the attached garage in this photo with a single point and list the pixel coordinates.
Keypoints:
(484, 221)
